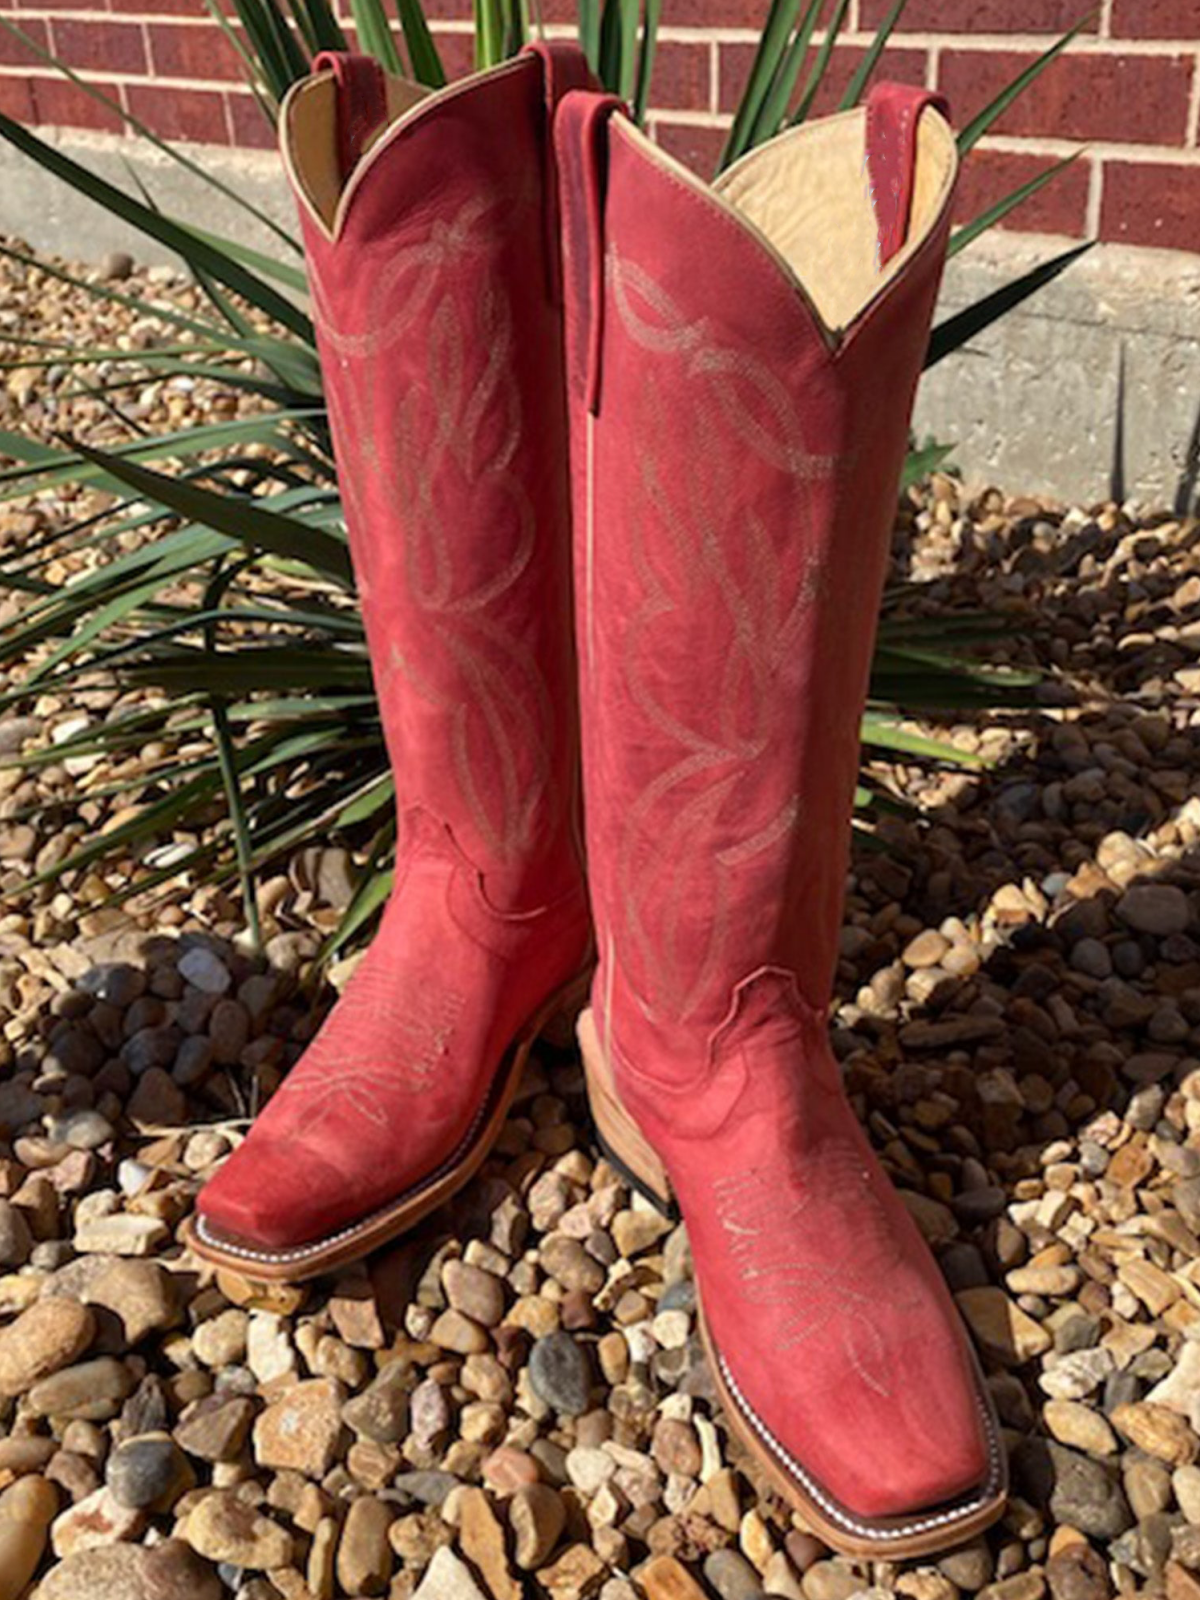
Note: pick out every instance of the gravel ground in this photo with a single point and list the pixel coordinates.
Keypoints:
(513, 1402)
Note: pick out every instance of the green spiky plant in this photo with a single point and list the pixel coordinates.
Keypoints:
(219, 580)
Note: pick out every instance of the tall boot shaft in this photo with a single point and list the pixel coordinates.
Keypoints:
(430, 229)
(743, 360)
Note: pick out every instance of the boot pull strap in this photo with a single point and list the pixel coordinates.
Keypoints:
(564, 69)
(361, 102)
(581, 144)
(893, 112)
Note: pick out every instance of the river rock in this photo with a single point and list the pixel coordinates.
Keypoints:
(447, 1578)
(26, 1510)
(90, 1392)
(146, 1471)
(224, 1528)
(301, 1430)
(49, 1336)
(97, 1519)
(364, 1556)
(1155, 908)
(537, 1517)
(559, 1375)
(140, 1295)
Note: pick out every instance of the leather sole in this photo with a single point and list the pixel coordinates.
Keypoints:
(924, 1532)
(312, 1259)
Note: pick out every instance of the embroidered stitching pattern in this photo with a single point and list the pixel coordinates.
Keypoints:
(773, 1215)
(684, 560)
(460, 420)
(407, 1038)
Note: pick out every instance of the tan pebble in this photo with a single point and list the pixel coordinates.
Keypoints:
(665, 1578)
(26, 1510)
(319, 1574)
(482, 1541)
(755, 1541)
(301, 1430)
(1001, 1327)
(224, 1528)
(364, 1557)
(48, 1336)
(1079, 1426)
(780, 1579)
(537, 1516)
(1159, 1432)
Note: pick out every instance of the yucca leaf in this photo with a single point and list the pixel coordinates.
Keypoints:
(869, 62)
(919, 464)
(58, 466)
(260, 667)
(589, 30)
(239, 518)
(227, 271)
(988, 219)
(319, 25)
(370, 894)
(489, 33)
(970, 136)
(884, 733)
(618, 46)
(968, 323)
(267, 266)
(775, 108)
(422, 50)
(772, 43)
(820, 65)
(375, 34)
(645, 64)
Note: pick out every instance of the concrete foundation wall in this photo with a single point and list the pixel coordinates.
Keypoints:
(1094, 382)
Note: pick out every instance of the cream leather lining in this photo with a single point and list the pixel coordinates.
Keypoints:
(807, 193)
(310, 141)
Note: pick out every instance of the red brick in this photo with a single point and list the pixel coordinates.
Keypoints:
(16, 51)
(448, 10)
(1151, 203)
(100, 46)
(251, 130)
(457, 51)
(982, 16)
(682, 76)
(719, 14)
(58, 102)
(988, 176)
(698, 148)
(16, 99)
(198, 115)
(202, 53)
(1156, 19)
(903, 65)
(1134, 99)
(175, 8)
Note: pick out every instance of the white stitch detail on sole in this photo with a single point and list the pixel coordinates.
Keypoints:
(870, 1530)
(303, 1251)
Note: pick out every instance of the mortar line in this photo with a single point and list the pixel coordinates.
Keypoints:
(1095, 197)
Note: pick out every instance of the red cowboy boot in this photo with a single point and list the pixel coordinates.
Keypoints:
(742, 359)
(431, 232)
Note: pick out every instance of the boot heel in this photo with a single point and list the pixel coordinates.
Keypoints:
(562, 1016)
(620, 1138)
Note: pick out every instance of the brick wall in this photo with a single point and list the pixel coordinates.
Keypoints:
(1126, 95)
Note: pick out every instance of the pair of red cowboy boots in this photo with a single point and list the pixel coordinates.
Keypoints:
(509, 277)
